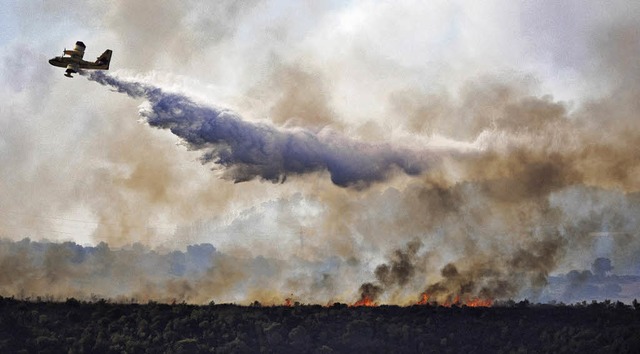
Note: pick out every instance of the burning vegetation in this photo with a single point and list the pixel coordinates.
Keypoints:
(456, 301)
(478, 284)
(368, 293)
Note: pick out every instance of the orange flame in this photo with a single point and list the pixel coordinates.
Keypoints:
(287, 302)
(479, 302)
(424, 299)
(365, 301)
(456, 301)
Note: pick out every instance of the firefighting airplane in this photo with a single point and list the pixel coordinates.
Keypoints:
(72, 60)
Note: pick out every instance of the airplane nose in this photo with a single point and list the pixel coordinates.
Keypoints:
(51, 61)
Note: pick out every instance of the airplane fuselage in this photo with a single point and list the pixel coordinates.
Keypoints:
(72, 60)
(64, 61)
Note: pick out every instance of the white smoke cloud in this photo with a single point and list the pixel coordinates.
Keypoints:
(77, 165)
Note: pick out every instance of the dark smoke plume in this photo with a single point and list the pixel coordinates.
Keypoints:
(497, 277)
(369, 292)
(249, 150)
(401, 268)
(479, 276)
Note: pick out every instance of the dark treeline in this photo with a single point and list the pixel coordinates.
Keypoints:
(101, 327)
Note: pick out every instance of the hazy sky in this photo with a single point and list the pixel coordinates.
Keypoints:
(534, 105)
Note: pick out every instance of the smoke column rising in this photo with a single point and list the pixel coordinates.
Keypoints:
(248, 150)
(548, 108)
(503, 232)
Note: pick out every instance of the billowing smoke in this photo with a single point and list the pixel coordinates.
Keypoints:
(507, 190)
(537, 174)
(526, 268)
(249, 150)
(400, 269)
(471, 278)
(200, 274)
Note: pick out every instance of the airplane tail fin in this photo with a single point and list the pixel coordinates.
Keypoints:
(104, 59)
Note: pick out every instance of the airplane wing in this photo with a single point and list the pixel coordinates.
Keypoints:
(77, 52)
